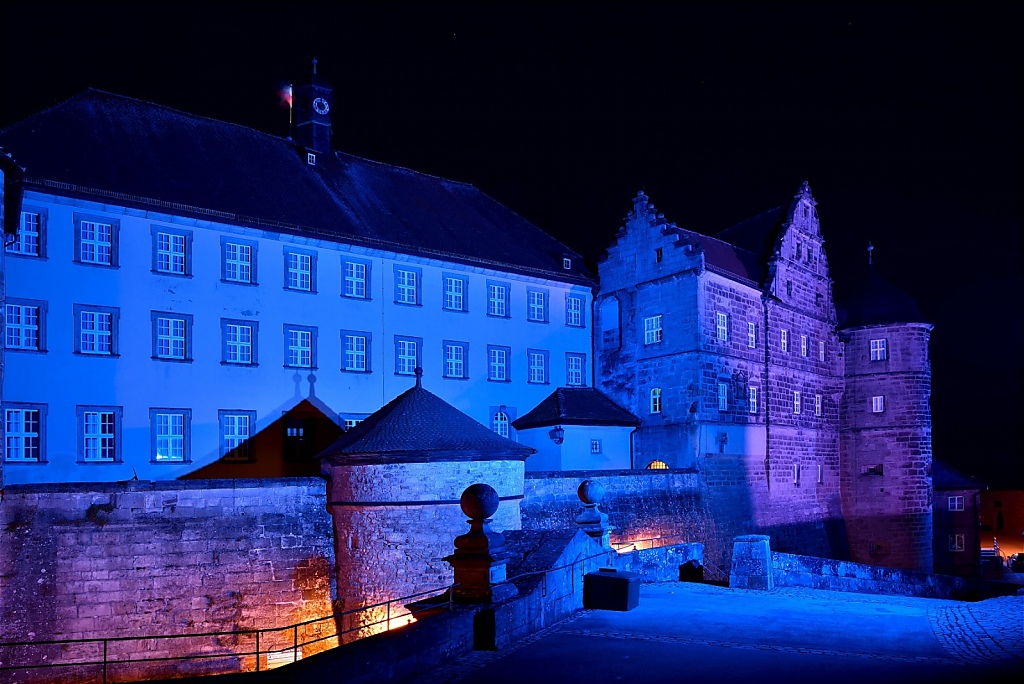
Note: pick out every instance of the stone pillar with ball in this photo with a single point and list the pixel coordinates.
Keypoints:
(480, 556)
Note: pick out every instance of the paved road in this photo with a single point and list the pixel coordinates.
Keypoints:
(692, 632)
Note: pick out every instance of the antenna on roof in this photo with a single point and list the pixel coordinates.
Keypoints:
(314, 66)
(871, 248)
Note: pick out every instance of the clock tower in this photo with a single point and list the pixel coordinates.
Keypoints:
(313, 114)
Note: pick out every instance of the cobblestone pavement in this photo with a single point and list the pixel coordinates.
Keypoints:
(683, 632)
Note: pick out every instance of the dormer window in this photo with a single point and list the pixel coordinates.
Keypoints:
(567, 264)
(311, 159)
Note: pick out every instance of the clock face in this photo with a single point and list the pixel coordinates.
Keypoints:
(321, 106)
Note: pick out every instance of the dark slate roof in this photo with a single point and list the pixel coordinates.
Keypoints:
(756, 235)
(576, 406)
(100, 145)
(723, 257)
(874, 301)
(947, 477)
(419, 426)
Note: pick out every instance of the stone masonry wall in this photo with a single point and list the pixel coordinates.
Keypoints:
(84, 561)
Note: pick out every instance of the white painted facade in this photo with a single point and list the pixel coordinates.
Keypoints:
(130, 382)
(578, 450)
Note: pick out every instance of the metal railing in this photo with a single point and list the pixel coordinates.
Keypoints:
(107, 653)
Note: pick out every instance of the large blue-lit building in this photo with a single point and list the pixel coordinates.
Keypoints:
(180, 287)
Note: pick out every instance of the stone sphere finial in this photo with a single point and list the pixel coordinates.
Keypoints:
(479, 501)
(590, 492)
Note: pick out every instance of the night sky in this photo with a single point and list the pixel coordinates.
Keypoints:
(905, 119)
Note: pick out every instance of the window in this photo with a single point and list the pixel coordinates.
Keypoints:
(455, 288)
(350, 423)
(537, 306)
(236, 427)
(784, 340)
(299, 346)
(96, 240)
(99, 433)
(574, 311)
(657, 465)
(407, 285)
(956, 503)
(538, 360)
(877, 404)
(751, 335)
(821, 351)
(30, 240)
(796, 402)
(497, 363)
(407, 354)
(238, 341)
(656, 400)
(658, 255)
(652, 329)
(172, 336)
(818, 299)
(96, 333)
(456, 359)
(723, 396)
(497, 299)
(722, 326)
(575, 373)
(956, 542)
(171, 437)
(299, 270)
(499, 423)
(24, 432)
(752, 399)
(789, 288)
(238, 261)
(25, 324)
(172, 250)
(355, 278)
(817, 404)
(879, 350)
(311, 159)
(796, 473)
(803, 345)
(355, 351)
(567, 264)
(595, 446)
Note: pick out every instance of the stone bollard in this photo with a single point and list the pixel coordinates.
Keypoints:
(751, 563)
(592, 520)
(480, 557)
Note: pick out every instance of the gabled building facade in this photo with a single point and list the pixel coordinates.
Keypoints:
(179, 285)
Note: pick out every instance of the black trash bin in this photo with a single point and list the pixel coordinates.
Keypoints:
(609, 589)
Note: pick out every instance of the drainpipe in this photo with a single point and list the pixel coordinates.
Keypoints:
(767, 396)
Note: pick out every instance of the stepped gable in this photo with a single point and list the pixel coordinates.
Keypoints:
(576, 406)
(105, 147)
(945, 477)
(875, 301)
(417, 426)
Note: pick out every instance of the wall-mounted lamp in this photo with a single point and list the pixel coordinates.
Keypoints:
(557, 435)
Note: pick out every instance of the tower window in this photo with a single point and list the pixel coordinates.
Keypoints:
(879, 350)
(877, 404)
(567, 264)
(311, 159)
(789, 288)
(658, 255)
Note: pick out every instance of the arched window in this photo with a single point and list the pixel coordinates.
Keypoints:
(656, 400)
(657, 465)
(499, 423)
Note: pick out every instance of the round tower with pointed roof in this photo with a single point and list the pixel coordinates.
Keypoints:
(885, 426)
(395, 485)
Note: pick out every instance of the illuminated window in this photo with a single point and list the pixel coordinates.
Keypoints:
(538, 360)
(96, 333)
(99, 433)
(299, 270)
(24, 433)
(877, 404)
(407, 354)
(299, 346)
(170, 435)
(355, 351)
(575, 375)
(238, 261)
(235, 430)
(24, 324)
(956, 503)
(796, 402)
(455, 355)
(656, 400)
(497, 363)
(29, 241)
(803, 345)
(752, 399)
(172, 336)
(879, 350)
(537, 306)
(817, 404)
(574, 311)
(96, 240)
(238, 341)
(407, 285)
(499, 423)
(956, 542)
(722, 326)
(172, 251)
(497, 299)
(652, 329)
(784, 340)
(454, 293)
(751, 335)
(355, 279)
(723, 396)
(595, 446)
(657, 465)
